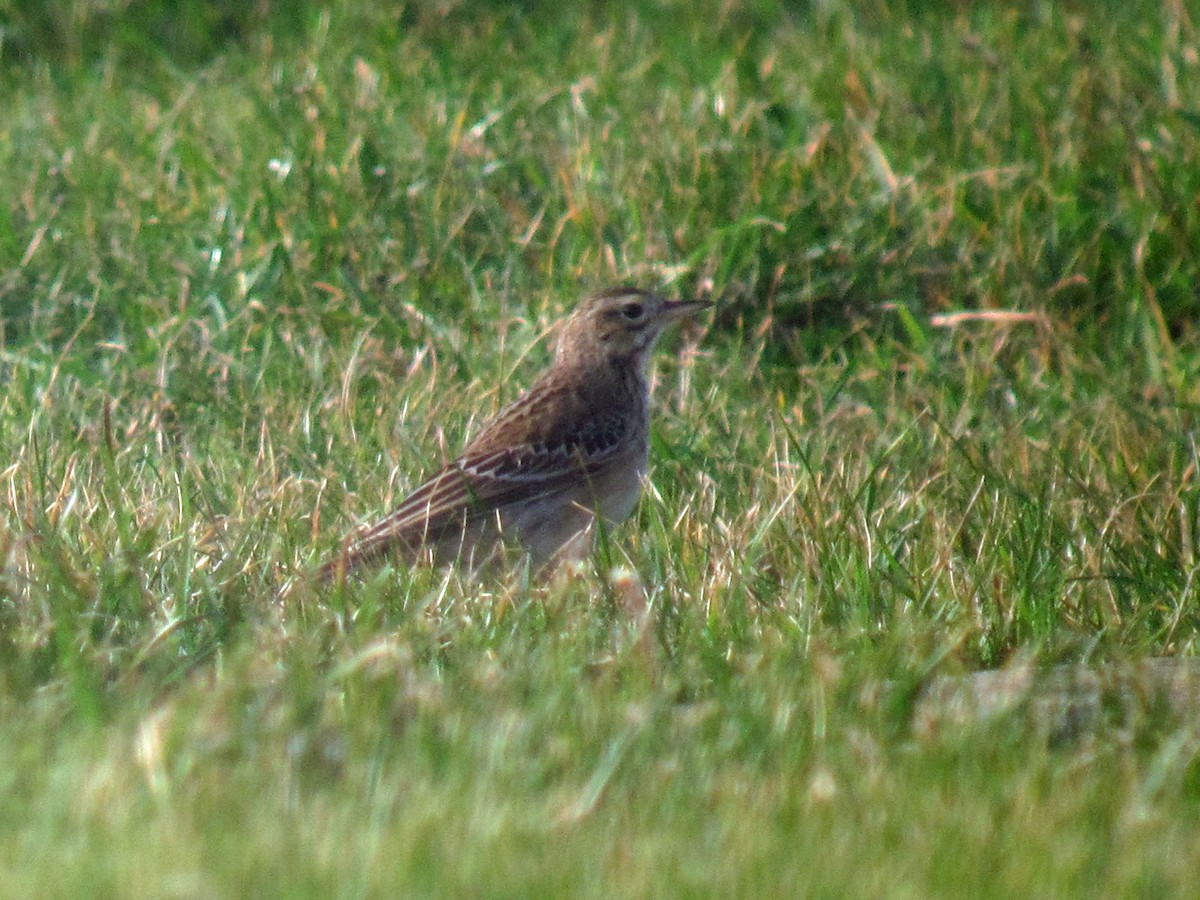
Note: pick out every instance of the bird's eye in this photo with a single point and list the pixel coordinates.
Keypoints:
(632, 311)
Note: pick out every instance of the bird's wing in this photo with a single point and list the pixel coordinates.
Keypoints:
(481, 482)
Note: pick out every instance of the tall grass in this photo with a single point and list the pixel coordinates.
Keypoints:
(262, 266)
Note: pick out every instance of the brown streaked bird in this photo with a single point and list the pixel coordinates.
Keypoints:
(576, 444)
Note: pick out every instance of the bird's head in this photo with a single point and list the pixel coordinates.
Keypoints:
(620, 323)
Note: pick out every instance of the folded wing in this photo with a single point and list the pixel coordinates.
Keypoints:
(477, 485)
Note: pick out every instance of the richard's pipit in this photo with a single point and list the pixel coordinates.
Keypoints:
(574, 446)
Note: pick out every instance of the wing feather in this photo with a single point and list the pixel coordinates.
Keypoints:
(472, 487)
(497, 469)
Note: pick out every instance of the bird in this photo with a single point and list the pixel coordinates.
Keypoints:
(574, 447)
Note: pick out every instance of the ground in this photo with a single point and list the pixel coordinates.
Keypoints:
(262, 266)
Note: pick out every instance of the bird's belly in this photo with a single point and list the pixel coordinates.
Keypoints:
(618, 494)
(546, 527)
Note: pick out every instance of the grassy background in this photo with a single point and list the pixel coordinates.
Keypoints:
(262, 264)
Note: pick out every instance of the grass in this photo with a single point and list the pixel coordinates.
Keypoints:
(258, 265)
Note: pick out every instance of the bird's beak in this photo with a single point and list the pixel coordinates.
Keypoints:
(678, 309)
